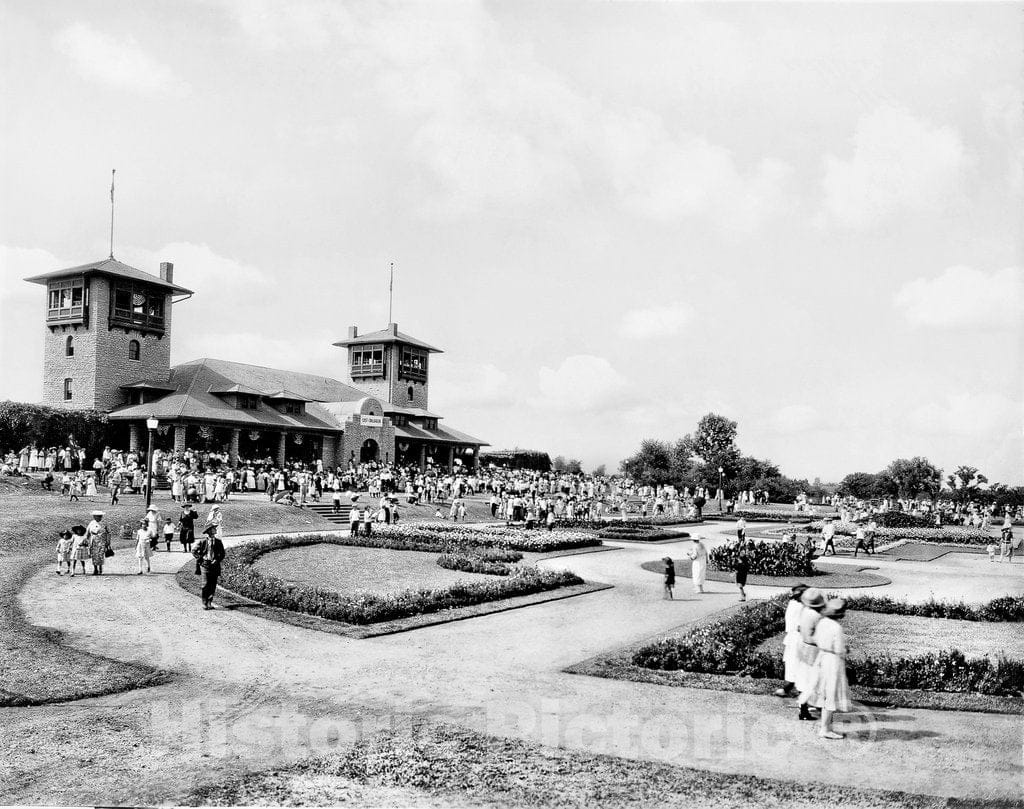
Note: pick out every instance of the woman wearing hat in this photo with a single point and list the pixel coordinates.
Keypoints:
(99, 542)
(831, 688)
(143, 550)
(670, 577)
(214, 518)
(791, 644)
(699, 571)
(807, 652)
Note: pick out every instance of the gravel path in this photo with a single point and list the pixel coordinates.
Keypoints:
(257, 694)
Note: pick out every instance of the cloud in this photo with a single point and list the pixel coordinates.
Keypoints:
(583, 383)
(965, 297)
(899, 163)
(793, 419)
(461, 385)
(120, 63)
(970, 414)
(657, 321)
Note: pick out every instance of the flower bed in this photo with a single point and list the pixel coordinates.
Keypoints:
(769, 515)
(730, 646)
(1005, 608)
(766, 558)
(492, 562)
(239, 575)
(444, 536)
(639, 532)
(952, 534)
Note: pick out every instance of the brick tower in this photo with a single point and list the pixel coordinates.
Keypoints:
(107, 325)
(389, 365)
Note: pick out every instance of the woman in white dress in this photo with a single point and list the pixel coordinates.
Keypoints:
(813, 602)
(699, 570)
(90, 486)
(791, 644)
(831, 689)
(143, 550)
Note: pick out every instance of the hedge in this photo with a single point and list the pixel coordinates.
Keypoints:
(630, 531)
(765, 558)
(730, 646)
(1004, 608)
(239, 575)
(487, 561)
(24, 424)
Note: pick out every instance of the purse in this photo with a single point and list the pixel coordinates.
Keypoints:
(108, 552)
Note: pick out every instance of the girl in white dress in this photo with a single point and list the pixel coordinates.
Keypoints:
(90, 486)
(791, 644)
(831, 690)
(699, 570)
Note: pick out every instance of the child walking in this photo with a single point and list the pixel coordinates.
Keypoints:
(670, 578)
(64, 550)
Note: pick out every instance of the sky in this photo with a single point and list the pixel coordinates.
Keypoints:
(613, 217)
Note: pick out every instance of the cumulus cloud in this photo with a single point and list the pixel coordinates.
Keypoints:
(583, 383)
(656, 321)
(122, 63)
(899, 163)
(793, 419)
(970, 414)
(965, 297)
(464, 385)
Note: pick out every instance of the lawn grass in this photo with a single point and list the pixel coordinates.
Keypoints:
(441, 765)
(35, 667)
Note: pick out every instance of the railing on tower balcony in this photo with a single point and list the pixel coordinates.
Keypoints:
(67, 314)
(368, 369)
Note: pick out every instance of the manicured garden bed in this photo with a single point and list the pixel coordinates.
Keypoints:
(629, 532)
(951, 534)
(243, 576)
(733, 646)
(765, 558)
(835, 577)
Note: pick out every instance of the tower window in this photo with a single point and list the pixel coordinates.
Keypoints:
(134, 350)
(67, 389)
(413, 364)
(69, 347)
(412, 393)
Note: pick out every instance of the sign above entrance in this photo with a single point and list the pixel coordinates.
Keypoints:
(371, 421)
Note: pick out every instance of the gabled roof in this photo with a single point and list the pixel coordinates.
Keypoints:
(114, 268)
(389, 335)
(300, 386)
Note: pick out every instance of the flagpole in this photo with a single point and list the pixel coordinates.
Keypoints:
(112, 212)
(391, 292)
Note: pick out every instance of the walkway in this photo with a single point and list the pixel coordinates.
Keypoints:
(262, 692)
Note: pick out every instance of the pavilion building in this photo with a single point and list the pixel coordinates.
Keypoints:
(107, 348)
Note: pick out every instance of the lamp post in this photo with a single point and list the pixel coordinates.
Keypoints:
(721, 473)
(151, 425)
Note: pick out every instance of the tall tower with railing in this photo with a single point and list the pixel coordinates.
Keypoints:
(389, 365)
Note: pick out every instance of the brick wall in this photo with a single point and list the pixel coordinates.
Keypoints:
(392, 390)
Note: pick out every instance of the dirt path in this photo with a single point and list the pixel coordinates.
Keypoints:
(255, 693)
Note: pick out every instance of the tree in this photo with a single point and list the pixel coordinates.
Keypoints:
(862, 485)
(909, 477)
(965, 483)
(714, 444)
(599, 471)
(651, 465)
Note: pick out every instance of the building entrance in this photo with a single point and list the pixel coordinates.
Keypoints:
(369, 452)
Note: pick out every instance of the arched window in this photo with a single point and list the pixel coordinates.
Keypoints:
(133, 350)
(67, 389)
(69, 347)
(412, 393)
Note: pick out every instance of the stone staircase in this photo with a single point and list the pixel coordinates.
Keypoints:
(326, 510)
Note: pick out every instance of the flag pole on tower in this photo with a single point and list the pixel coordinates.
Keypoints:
(391, 292)
(112, 171)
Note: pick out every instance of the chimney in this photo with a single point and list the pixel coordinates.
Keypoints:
(167, 272)
(393, 328)
(353, 332)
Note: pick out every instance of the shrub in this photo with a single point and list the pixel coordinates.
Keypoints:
(900, 519)
(473, 564)
(766, 558)
(729, 646)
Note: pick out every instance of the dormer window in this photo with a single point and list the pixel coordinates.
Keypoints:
(247, 402)
(429, 424)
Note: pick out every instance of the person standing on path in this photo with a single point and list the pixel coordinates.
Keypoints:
(828, 534)
(670, 577)
(143, 546)
(209, 553)
(79, 548)
(153, 526)
(807, 652)
(862, 541)
(214, 519)
(99, 542)
(64, 550)
(699, 570)
(831, 688)
(742, 568)
(187, 527)
(791, 644)
(741, 529)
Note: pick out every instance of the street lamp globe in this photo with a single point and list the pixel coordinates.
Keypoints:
(152, 423)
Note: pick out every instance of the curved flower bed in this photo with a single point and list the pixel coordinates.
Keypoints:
(446, 535)
(769, 515)
(730, 646)
(766, 558)
(954, 535)
(639, 532)
(239, 575)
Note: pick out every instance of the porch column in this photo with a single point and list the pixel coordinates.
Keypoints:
(328, 451)
(236, 434)
(281, 441)
(423, 457)
(451, 458)
(134, 437)
(179, 438)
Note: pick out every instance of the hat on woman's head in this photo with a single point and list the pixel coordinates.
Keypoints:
(97, 513)
(835, 608)
(151, 508)
(666, 559)
(798, 589)
(210, 530)
(813, 598)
